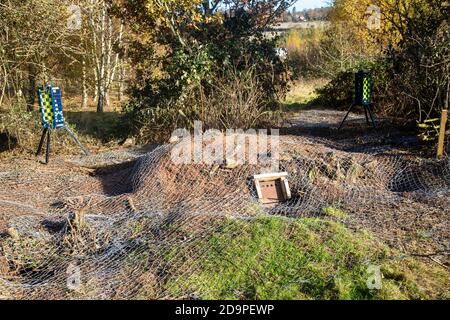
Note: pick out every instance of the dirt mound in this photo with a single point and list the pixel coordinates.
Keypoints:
(123, 223)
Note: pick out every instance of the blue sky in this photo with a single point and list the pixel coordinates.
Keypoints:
(308, 4)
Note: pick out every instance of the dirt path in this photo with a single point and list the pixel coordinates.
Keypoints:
(355, 136)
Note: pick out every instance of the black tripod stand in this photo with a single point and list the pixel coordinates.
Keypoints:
(367, 111)
(46, 133)
(363, 96)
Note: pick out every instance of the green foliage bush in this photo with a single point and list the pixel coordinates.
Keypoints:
(304, 58)
(303, 63)
(340, 90)
(226, 74)
(234, 99)
(411, 76)
(18, 126)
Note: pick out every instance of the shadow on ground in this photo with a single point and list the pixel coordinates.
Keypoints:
(117, 179)
(105, 126)
(355, 135)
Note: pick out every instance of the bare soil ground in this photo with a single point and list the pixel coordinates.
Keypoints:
(40, 186)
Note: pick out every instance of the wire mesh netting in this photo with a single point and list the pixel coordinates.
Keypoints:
(132, 224)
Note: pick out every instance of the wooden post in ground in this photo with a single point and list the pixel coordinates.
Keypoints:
(440, 151)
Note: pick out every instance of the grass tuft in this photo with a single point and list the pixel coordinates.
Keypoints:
(309, 258)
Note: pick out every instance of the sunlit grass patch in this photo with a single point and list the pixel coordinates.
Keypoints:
(301, 94)
(310, 258)
(334, 212)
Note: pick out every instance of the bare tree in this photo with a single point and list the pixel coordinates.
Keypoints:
(106, 36)
(27, 54)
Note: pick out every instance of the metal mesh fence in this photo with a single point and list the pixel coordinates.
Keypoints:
(132, 224)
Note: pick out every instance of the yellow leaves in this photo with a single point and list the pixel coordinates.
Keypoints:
(358, 15)
(179, 13)
(429, 129)
(293, 41)
(196, 17)
(217, 18)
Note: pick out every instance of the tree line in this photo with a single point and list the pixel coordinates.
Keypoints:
(316, 14)
(403, 42)
(211, 60)
(78, 45)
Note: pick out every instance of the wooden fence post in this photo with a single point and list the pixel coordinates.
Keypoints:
(440, 151)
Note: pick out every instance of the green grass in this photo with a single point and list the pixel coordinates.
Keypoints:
(277, 258)
(104, 126)
(334, 212)
(301, 94)
(20, 131)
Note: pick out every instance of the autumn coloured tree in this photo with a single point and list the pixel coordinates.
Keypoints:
(34, 42)
(183, 51)
(407, 50)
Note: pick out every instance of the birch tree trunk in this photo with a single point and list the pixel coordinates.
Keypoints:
(101, 60)
(85, 98)
(105, 34)
(120, 80)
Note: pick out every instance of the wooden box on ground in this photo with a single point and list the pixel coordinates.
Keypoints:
(272, 187)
